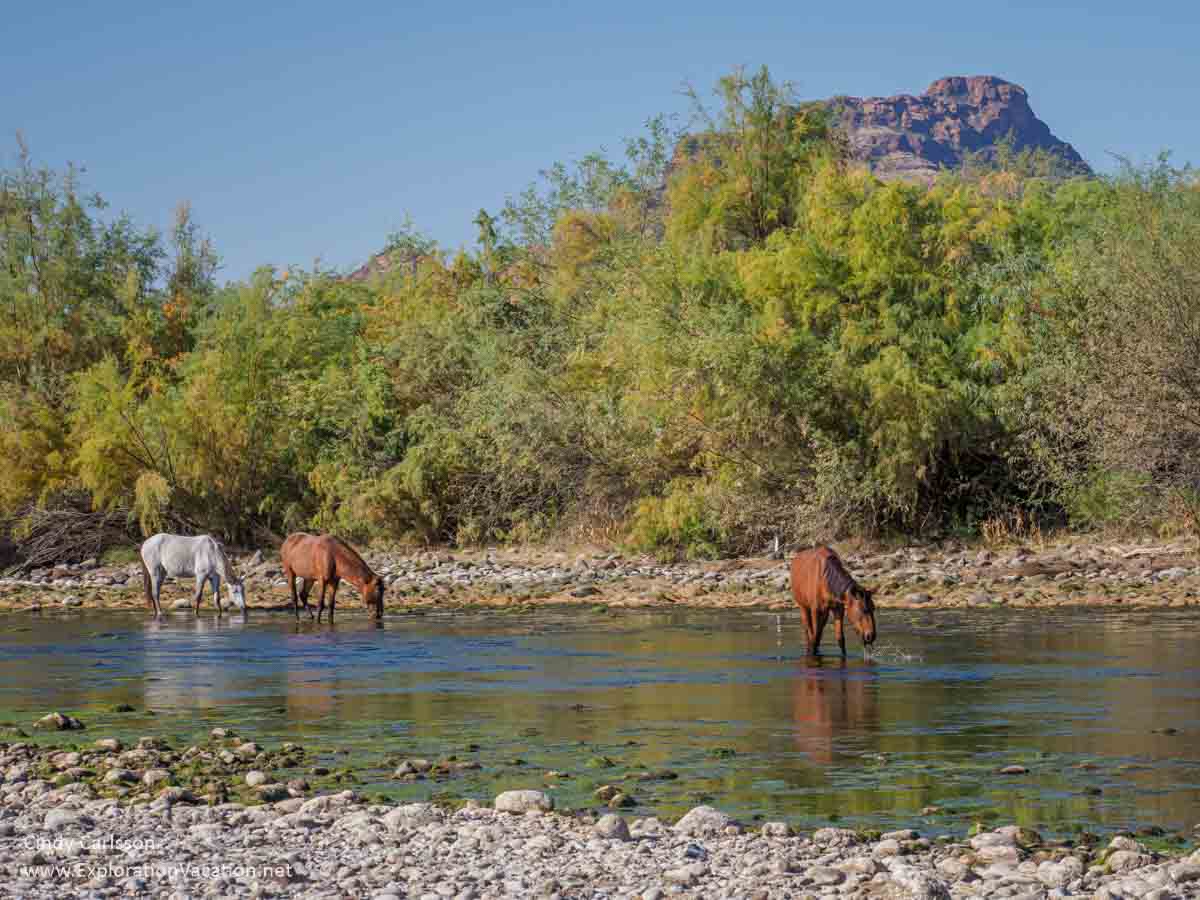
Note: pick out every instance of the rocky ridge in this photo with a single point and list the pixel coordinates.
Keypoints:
(906, 136)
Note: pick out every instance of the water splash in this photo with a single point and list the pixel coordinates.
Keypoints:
(889, 653)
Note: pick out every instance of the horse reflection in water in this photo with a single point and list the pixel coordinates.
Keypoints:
(182, 676)
(830, 701)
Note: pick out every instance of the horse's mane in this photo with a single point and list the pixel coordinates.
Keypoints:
(354, 555)
(230, 573)
(837, 579)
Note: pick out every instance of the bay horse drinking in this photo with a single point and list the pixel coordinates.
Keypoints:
(201, 557)
(822, 587)
(325, 560)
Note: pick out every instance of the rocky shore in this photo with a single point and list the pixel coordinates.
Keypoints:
(210, 820)
(947, 575)
(109, 821)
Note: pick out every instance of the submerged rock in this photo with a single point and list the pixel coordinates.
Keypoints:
(57, 721)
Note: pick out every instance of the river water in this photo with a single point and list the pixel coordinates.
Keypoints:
(1102, 708)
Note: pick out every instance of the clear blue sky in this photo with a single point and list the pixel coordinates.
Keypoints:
(308, 130)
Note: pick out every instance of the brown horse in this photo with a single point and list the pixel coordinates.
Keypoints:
(325, 560)
(821, 587)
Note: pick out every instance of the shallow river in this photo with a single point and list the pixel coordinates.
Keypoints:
(1102, 708)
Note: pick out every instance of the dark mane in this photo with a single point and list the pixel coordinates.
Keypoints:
(354, 556)
(837, 578)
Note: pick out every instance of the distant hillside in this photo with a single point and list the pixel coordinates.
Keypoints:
(913, 137)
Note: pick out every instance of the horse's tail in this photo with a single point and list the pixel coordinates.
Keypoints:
(146, 587)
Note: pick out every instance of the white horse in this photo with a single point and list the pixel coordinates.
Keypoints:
(201, 557)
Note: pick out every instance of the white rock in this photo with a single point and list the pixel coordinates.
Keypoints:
(920, 885)
(703, 820)
(524, 801)
(412, 815)
(62, 818)
(1058, 874)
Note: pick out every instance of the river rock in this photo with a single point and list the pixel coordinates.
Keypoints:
(524, 801)
(328, 803)
(703, 820)
(920, 885)
(57, 721)
(887, 847)
(1184, 872)
(152, 777)
(825, 876)
(1124, 860)
(835, 837)
(64, 761)
(1058, 874)
(996, 847)
(254, 778)
(686, 876)
(58, 819)
(613, 827)
(272, 793)
(412, 815)
(605, 792)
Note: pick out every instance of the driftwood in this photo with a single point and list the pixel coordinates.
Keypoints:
(69, 531)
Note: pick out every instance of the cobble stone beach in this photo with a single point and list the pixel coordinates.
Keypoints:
(139, 834)
(1079, 572)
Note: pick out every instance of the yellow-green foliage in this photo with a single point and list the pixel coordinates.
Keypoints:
(733, 336)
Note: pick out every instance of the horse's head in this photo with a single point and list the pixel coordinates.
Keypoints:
(237, 593)
(373, 595)
(860, 610)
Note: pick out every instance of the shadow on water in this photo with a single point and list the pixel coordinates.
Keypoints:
(1102, 708)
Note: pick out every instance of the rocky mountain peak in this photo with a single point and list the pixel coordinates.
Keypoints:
(906, 136)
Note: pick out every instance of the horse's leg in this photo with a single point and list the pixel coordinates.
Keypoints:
(305, 589)
(291, 580)
(321, 604)
(821, 618)
(839, 629)
(809, 631)
(215, 583)
(333, 597)
(156, 590)
(201, 580)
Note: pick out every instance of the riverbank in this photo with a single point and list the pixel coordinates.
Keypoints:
(1067, 573)
(106, 821)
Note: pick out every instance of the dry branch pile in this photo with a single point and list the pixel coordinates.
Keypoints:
(70, 531)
